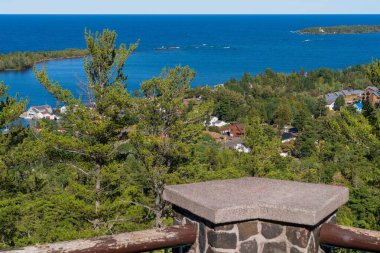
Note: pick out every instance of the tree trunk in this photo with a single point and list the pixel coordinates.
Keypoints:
(97, 196)
(158, 205)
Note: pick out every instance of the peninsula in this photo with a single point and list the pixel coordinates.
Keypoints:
(25, 60)
(344, 29)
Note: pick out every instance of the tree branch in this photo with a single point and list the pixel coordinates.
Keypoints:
(78, 168)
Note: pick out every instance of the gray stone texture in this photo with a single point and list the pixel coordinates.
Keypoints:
(222, 240)
(249, 247)
(247, 229)
(274, 247)
(235, 200)
(271, 230)
(298, 236)
(253, 236)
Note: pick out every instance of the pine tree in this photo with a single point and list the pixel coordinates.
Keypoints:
(339, 102)
(167, 131)
(373, 72)
(10, 107)
(95, 127)
(10, 138)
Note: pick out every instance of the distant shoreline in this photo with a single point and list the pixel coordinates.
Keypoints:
(22, 61)
(41, 61)
(343, 29)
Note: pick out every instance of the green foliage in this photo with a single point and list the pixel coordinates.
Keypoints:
(89, 145)
(106, 172)
(373, 72)
(264, 146)
(339, 102)
(10, 108)
(167, 130)
(229, 105)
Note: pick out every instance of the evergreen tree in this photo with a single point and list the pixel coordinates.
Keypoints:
(10, 107)
(11, 182)
(372, 116)
(167, 131)
(373, 72)
(321, 107)
(264, 146)
(96, 128)
(339, 102)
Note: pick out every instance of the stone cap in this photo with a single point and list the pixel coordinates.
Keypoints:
(234, 200)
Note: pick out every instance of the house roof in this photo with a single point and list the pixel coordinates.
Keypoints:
(331, 97)
(237, 127)
(373, 88)
(357, 92)
(42, 107)
(287, 136)
(214, 135)
(231, 143)
(218, 122)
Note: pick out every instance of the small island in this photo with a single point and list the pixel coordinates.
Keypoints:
(344, 29)
(24, 60)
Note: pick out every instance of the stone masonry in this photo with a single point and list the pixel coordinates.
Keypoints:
(255, 215)
(255, 236)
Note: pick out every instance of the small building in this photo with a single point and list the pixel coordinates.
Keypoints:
(237, 144)
(214, 121)
(288, 137)
(40, 112)
(235, 129)
(350, 97)
(330, 100)
(372, 94)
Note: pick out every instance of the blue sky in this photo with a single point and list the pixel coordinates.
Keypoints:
(189, 6)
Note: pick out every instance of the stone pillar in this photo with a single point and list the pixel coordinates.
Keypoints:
(255, 214)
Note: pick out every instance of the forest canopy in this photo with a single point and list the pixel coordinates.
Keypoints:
(103, 167)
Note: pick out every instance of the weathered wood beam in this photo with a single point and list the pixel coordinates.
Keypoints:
(349, 237)
(138, 241)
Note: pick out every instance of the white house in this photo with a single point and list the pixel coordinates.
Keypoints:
(241, 148)
(214, 121)
(40, 112)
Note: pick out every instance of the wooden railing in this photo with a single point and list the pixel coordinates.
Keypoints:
(180, 239)
(140, 241)
(350, 238)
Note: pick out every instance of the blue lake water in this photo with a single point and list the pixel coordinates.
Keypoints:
(217, 47)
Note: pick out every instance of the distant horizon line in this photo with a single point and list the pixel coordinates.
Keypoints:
(194, 14)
